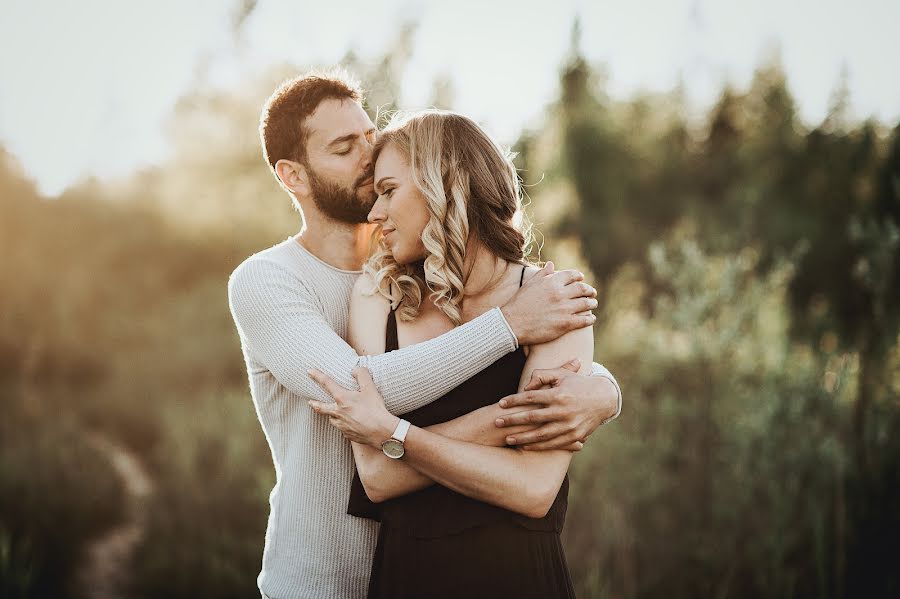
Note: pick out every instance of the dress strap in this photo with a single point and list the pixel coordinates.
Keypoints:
(390, 337)
(391, 341)
(522, 277)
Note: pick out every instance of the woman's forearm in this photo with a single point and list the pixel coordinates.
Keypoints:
(522, 481)
(384, 478)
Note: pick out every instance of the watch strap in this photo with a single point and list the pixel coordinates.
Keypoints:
(401, 430)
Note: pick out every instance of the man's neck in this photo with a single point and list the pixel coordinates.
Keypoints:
(342, 245)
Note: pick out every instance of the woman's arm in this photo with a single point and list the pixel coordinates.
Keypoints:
(525, 482)
(522, 481)
(382, 477)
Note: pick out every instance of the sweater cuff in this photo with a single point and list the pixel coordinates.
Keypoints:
(600, 370)
(515, 340)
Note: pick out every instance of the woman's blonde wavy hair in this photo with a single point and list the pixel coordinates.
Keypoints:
(471, 189)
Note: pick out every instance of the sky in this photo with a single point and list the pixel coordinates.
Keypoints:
(86, 87)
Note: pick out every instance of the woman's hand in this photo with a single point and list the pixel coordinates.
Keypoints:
(359, 415)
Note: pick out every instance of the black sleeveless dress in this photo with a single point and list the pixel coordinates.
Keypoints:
(436, 543)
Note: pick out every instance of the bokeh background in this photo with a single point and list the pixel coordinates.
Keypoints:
(728, 173)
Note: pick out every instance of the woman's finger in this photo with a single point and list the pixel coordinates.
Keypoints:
(539, 378)
(363, 378)
(325, 409)
(551, 376)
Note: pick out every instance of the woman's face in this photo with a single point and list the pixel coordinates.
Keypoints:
(400, 208)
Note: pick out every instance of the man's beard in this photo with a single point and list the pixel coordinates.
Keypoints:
(341, 203)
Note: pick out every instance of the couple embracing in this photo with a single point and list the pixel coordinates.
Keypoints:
(421, 385)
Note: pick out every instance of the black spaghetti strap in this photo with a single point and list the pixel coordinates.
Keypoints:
(522, 277)
(391, 340)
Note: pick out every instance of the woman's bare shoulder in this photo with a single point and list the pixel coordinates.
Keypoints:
(364, 291)
(530, 271)
(368, 315)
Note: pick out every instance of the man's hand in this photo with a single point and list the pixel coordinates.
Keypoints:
(550, 305)
(568, 408)
(359, 415)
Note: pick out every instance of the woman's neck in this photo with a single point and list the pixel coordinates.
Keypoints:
(483, 271)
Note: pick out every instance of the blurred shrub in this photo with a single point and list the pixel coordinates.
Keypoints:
(727, 473)
(207, 520)
(57, 492)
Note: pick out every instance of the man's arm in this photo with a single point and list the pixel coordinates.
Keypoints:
(279, 321)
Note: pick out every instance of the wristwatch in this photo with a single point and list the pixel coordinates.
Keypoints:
(393, 447)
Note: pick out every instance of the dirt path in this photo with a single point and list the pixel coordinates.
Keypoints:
(104, 573)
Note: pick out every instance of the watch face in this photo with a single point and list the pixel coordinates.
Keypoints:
(392, 448)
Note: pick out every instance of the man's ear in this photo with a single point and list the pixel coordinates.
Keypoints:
(293, 176)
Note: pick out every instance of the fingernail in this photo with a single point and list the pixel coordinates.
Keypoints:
(510, 440)
(499, 421)
(502, 403)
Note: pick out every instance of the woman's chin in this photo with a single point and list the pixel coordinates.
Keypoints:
(401, 259)
(404, 259)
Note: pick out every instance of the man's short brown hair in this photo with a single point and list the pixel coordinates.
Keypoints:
(282, 127)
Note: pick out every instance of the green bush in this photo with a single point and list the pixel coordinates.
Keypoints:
(727, 472)
(57, 492)
(207, 520)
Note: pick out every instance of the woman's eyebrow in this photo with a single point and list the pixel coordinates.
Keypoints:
(379, 183)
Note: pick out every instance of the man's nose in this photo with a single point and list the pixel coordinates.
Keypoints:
(367, 155)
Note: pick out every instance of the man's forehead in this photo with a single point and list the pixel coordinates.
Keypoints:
(336, 118)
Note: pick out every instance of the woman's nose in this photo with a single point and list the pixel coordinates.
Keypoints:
(377, 213)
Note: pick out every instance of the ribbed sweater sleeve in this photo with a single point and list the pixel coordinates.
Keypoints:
(601, 371)
(279, 320)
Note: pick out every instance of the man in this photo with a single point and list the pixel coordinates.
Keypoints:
(290, 305)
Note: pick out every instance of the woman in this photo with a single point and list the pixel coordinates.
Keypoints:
(449, 250)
